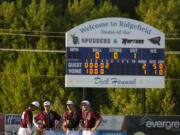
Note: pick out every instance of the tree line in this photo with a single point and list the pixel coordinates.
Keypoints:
(28, 76)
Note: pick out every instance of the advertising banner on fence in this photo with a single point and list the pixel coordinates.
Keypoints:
(1, 124)
(12, 124)
(153, 125)
(98, 132)
(113, 122)
(111, 125)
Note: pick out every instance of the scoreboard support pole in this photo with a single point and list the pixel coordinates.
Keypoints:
(144, 101)
(84, 93)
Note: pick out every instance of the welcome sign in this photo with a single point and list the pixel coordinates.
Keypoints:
(115, 53)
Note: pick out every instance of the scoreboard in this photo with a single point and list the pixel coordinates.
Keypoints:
(115, 61)
(114, 53)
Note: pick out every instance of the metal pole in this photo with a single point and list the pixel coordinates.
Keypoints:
(144, 101)
(84, 93)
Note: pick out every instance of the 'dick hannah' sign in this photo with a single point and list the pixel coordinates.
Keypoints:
(115, 53)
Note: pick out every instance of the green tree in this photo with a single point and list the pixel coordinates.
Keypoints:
(29, 76)
(40, 76)
(125, 101)
(126, 6)
(82, 11)
(164, 15)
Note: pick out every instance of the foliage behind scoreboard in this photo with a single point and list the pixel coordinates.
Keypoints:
(114, 53)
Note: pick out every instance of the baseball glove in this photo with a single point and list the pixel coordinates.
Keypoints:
(39, 132)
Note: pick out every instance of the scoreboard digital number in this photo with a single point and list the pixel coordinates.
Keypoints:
(115, 61)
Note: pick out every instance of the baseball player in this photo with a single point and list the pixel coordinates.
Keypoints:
(48, 118)
(72, 119)
(91, 119)
(26, 122)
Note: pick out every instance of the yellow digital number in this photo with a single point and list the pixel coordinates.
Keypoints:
(107, 65)
(95, 65)
(160, 69)
(115, 55)
(160, 72)
(134, 55)
(86, 64)
(102, 65)
(161, 66)
(155, 72)
(87, 71)
(97, 55)
(155, 69)
(144, 66)
(101, 71)
(144, 72)
(90, 65)
(154, 66)
(95, 71)
(90, 71)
